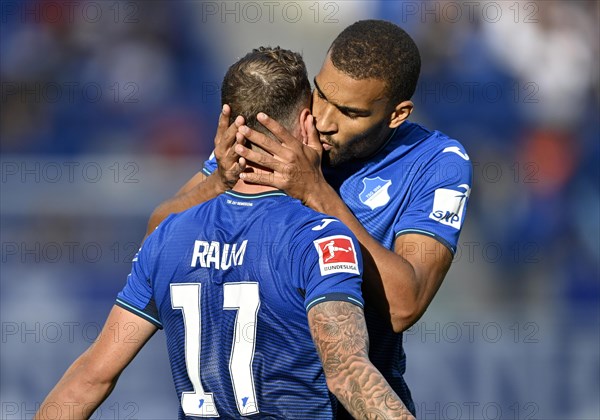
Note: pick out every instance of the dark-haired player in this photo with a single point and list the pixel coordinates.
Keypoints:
(232, 281)
(401, 188)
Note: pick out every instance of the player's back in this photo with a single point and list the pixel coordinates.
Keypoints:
(231, 284)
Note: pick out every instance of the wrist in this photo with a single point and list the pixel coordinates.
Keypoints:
(219, 185)
(321, 197)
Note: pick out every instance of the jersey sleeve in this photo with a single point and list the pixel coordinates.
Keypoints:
(438, 203)
(137, 295)
(331, 263)
(210, 165)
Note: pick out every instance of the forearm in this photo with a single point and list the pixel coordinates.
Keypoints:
(75, 396)
(208, 189)
(366, 394)
(340, 334)
(390, 281)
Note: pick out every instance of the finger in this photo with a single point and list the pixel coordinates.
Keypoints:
(263, 141)
(230, 153)
(242, 164)
(232, 129)
(226, 139)
(223, 119)
(277, 130)
(258, 158)
(239, 121)
(239, 138)
(313, 135)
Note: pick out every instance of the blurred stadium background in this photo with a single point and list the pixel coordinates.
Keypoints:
(108, 107)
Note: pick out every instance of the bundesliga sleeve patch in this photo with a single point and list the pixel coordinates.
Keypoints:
(337, 254)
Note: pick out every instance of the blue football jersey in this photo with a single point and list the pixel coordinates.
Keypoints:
(418, 182)
(231, 281)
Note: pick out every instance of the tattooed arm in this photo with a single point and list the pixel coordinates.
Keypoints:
(340, 335)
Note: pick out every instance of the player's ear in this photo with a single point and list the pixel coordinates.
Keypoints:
(302, 121)
(400, 113)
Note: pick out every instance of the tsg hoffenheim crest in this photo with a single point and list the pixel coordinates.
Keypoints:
(375, 192)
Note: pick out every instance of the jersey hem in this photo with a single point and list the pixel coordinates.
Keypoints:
(334, 297)
(130, 308)
(272, 193)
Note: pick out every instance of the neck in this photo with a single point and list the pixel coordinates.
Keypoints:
(246, 188)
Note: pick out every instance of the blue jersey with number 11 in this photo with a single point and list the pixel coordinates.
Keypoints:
(231, 281)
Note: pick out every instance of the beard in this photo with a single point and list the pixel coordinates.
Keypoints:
(338, 155)
(358, 147)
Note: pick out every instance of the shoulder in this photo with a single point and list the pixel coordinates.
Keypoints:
(322, 229)
(445, 146)
(309, 220)
(178, 224)
(306, 224)
(424, 160)
(427, 142)
(414, 145)
(444, 159)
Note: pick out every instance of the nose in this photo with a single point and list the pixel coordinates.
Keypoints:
(324, 114)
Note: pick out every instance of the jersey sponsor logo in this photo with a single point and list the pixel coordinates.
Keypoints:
(449, 206)
(324, 223)
(456, 149)
(220, 256)
(239, 203)
(337, 254)
(375, 192)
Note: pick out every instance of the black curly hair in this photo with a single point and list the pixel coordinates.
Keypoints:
(376, 49)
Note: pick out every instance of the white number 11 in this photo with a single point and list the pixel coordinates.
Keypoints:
(244, 298)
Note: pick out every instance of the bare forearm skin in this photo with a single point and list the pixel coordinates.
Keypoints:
(75, 396)
(341, 338)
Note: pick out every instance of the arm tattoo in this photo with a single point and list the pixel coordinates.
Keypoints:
(340, 335)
